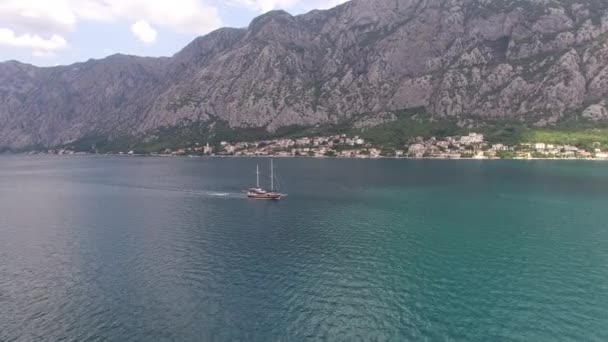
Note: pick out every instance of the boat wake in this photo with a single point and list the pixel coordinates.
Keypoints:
(211, 193)
(202, 193)
(191, 192)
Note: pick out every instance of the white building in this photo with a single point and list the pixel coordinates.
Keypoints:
(374, 153)
(303, 141)
(416, 150)
(601, 155)
(472, 138)
(480, 155)
(443, 144)
(499, 147)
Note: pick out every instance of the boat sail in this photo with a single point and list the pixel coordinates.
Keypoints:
(259, 193)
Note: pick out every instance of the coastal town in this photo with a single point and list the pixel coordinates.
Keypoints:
(470, 146)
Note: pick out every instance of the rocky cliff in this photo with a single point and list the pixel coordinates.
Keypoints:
(530, 60)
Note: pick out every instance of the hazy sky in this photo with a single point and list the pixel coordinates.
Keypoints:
(51, 32)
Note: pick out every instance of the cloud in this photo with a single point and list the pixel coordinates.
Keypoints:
(45, 26)
(44, 54)
(183, 16)
(144, 32)
(40, 25)
(329, 3)
(263, 6)
(60, 16)
(38, 16)
(39, 45)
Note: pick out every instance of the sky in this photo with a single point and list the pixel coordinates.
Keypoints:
(60, 32)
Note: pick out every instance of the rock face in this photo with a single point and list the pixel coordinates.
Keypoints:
(532, 60)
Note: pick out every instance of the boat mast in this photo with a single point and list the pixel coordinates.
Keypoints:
(271, 175)
(257, 174)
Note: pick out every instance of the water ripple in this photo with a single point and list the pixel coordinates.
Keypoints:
(148, 249)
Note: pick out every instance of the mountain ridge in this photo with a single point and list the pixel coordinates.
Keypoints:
(473, 60)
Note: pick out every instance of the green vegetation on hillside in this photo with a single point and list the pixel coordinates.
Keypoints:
(410, 124)
(416, 123)
(389, 136)
(582, 138)
(188, 134)
(507, 134)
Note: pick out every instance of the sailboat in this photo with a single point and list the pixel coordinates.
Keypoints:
(259, 193)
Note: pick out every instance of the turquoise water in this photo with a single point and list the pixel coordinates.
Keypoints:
(166, 249)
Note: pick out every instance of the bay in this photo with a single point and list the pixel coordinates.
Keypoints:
(167, 249)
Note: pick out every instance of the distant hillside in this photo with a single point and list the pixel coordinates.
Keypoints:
(470, 61)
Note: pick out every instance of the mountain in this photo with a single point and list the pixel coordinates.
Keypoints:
(534, 61)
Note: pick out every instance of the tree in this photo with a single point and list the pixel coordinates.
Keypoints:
(506, 154)
(388, 152)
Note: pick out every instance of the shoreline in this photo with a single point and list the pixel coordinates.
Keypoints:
(296, 157)
(472, 146)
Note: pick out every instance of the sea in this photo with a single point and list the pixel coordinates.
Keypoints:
(101, 248)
